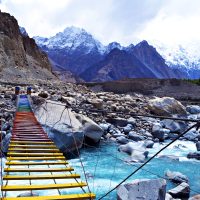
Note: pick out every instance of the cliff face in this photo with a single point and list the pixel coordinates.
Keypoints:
(20, 57)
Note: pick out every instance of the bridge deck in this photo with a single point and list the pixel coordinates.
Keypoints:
(30, 152)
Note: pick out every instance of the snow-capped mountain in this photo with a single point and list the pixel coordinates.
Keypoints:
(71, 38)
(184, 58)
(78, 51)
(74, 49)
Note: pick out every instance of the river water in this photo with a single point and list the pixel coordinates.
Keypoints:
(106, 166)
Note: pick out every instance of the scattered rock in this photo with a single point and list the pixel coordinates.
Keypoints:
(174, 126)
(195, 155)
(181, 191)
(135, 137)
(149, 144)
(198, 146)
(128, 128)
(43, 95)
(176, 177)
(122, 140)
(193, 109)
(143, 189)
(118, 121)
(136, 150)
(166, 106)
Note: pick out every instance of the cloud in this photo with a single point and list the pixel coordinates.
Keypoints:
(125, 21)
(176, 23)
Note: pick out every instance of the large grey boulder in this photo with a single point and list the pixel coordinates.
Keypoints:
(181, 191)
(143, 189)
(90, 129)
(166, 106)
(176, 177)
(136, 150)
(66, 128)
(193, 109)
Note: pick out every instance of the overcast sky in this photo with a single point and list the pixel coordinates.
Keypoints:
(125, 21)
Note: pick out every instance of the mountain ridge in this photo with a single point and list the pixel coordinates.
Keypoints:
(77, 51)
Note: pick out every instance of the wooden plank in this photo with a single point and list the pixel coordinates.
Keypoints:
(42, 187)
(33, 150)
(32, 146)
(37, 163)
(37, 158)
(59, 197)
(29, 142)
(38, 177)
(13, 154)
(67, 169)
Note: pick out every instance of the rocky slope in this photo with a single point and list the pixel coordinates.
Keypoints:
(76, 50)
(118, 64)
(20, 57)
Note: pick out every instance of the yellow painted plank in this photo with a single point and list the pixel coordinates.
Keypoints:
(59, 197)
(34, 177)
(29, 142)
(42, 187)
(33, 150)
(37, 163)
(13, 154)
(32, 146)
(37, 158)
(38, 169)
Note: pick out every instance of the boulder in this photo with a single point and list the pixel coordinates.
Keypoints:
(132, 121)
(128, 128)
(198, 146)
(105, 127)
(135, 137)
(118, 121)
(181, 191)
(174, 126)
(66, 128)
(146, 189)
(136, 150)
(43, 95)
(176, 177)
(195, 155)
(97, 103)
(196, 197)
(192, 134)
(193, 109)
(166, 106)
(149, 144)
(159, 132)
(91, 130)
(122, 140)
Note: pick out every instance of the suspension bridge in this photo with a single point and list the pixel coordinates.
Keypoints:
(32, 156)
